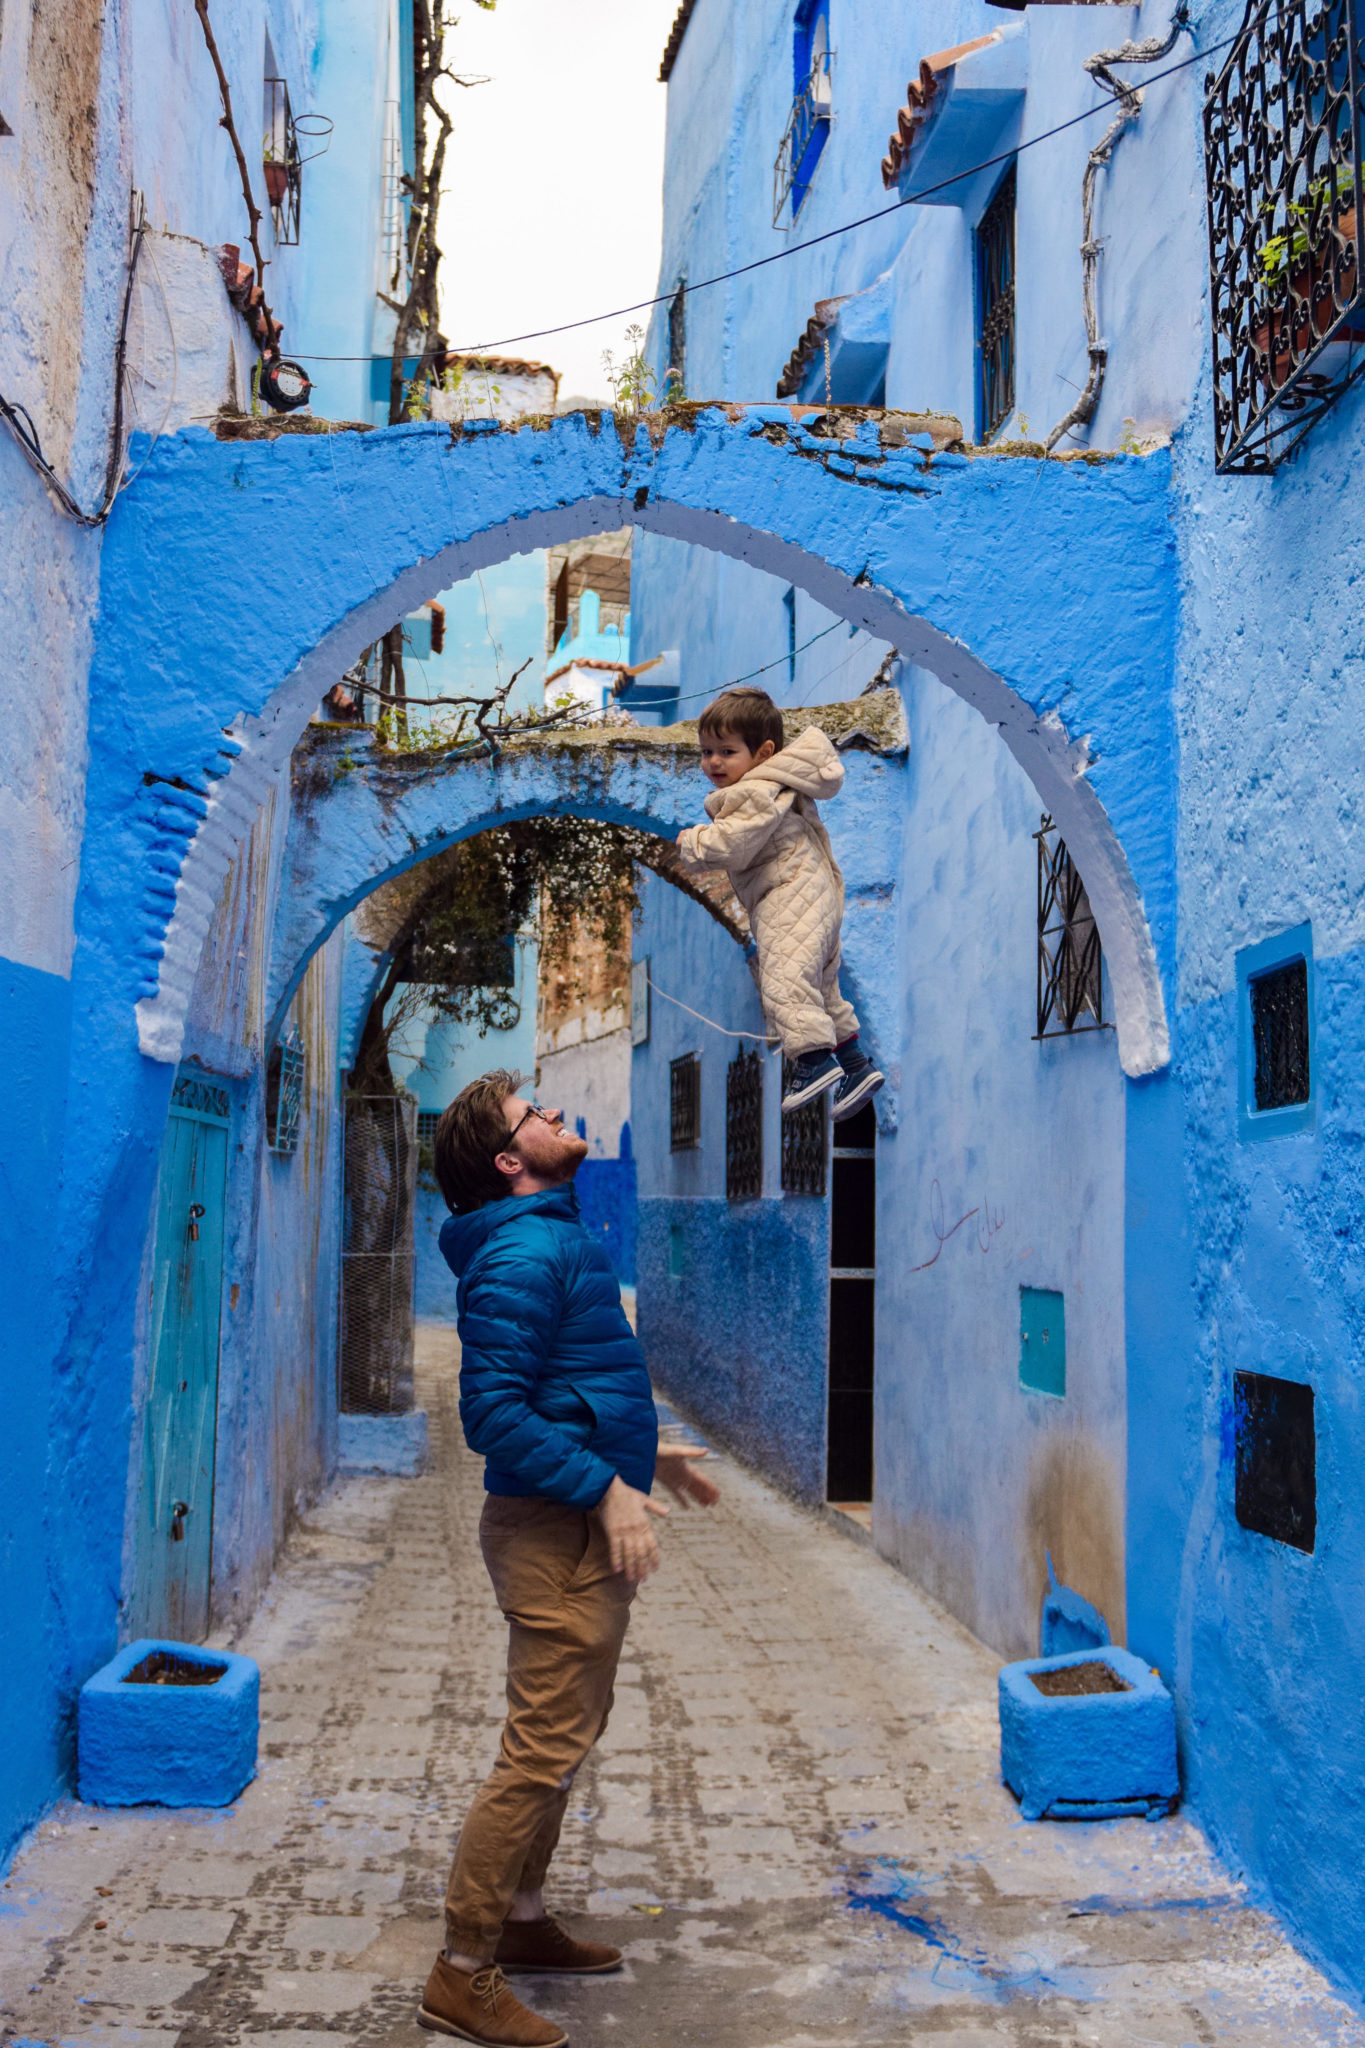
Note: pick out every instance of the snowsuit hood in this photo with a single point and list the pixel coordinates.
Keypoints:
(766, 832)
(810, 765)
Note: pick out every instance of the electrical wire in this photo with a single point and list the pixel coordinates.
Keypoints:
(20, 421)
(781, 662)
(761, 1036)
(702, 284)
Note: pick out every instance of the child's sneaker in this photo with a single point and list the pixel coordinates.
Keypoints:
(859, 1082)
(815, 1072)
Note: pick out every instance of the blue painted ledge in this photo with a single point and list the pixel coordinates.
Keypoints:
(395, 1444)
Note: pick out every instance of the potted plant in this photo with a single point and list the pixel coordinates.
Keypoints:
(276, 173)
(1318, 273)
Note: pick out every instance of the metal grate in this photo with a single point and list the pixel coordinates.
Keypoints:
(1279, 1030)
(807, 131)
(804, 1146)
(284, 1095)
(1070, 961)
(427, 1120)
(744, 1127)
(995, 310)
(1282, 166)
(206, 1098)
(684, 1103)
(374, 1350)
(283, 164)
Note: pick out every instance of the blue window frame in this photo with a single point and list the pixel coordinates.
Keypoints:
(1276, 1049)
(809, 123)
(284, 1095)
(995, 310)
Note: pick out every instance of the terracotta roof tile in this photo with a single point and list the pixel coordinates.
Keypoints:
(504, 366)
(674, 43)
(919, 99)
(810, 345)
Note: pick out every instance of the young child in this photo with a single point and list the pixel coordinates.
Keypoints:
(766, 832)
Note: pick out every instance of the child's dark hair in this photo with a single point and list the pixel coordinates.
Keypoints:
(748, 715)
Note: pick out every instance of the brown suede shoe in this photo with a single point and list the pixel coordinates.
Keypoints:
(481, 2008)
(542, 1948)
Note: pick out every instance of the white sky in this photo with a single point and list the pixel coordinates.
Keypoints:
(553, 177)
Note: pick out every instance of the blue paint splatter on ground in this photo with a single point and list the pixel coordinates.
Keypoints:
(998, 1983)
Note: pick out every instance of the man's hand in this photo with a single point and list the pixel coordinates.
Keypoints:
(624, 1515)
(676, 1469)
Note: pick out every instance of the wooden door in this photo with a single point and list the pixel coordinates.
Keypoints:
(175, 1502)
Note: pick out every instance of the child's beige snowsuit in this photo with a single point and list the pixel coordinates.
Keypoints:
(766, 833)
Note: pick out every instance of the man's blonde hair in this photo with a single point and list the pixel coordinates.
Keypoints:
(469, 1136)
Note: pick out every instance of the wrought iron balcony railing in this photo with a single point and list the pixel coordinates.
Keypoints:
(808, 127)
(1282, 159)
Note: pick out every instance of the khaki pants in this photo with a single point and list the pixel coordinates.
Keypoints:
(567, 1612)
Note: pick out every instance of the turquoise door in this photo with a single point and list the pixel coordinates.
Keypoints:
(175, 1499)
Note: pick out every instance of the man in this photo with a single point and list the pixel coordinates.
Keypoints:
(555, 1394)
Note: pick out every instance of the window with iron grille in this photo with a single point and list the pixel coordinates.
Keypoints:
(1279, 1030)
(995, 310)
(1070, 963)
(744, 1127)
(677, 345)
(283, 157)
(284, 1094)
(427, 1120)
(808, 124)
(804, 1146)
(684, 1103)
(1282, 164)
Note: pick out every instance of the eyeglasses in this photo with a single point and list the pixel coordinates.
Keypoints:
(534, 1110)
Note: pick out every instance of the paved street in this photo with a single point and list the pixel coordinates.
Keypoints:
(795, 1827)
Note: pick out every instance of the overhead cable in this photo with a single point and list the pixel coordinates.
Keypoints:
(686, 290)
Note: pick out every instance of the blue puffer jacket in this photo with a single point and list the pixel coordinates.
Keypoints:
(553, 1385)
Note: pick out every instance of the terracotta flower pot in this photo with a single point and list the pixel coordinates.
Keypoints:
(1309, 319)
(276, 182)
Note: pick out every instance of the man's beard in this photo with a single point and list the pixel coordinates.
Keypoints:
(572, 1153)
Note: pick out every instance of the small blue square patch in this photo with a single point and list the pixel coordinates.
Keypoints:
(1042, 1340)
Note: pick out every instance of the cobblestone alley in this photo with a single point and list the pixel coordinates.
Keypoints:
(795, 1827)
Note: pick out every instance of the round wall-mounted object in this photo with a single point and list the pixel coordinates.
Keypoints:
(284, 386)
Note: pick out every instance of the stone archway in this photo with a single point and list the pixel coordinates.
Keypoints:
(361, 817)
(241, 578)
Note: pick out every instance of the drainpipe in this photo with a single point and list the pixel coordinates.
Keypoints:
(1129, 107)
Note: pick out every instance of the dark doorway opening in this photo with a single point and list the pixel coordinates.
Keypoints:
(852, 1310)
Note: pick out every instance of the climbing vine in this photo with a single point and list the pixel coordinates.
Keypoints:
(419, 317)
(454, 957)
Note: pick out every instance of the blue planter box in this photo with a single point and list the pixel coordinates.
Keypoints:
(152, 1741)
(1093, 1755)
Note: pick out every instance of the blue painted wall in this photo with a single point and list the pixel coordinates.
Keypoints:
(1059, 580)
(732, 1301)
(1186, 1252)
(129, 106)
(35, 1020)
